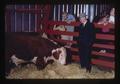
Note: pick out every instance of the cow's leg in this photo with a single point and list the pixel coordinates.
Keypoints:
(34, 60)
(68, 56)
(8, 62)
(17, 61)
(40, 63)
(49, 59)
(8, 66)
(46, 59)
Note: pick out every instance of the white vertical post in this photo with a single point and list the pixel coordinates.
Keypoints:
(29, 20)
(86, 9)
(74, 8)
(81, 9)
(58, 12)
(63, 8)
(78, 10)
(41, 16)
(22, 19)
(54, 12)
(67, 8)
(91, 12)
(35, 19)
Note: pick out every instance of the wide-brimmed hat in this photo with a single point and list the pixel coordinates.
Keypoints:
(82, 15)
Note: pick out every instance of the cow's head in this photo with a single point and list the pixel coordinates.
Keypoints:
(60, 55)
(56, 53)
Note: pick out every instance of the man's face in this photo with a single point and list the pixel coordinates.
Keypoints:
(56, 54)
(82, 20)
(64, 16)
(112, 12)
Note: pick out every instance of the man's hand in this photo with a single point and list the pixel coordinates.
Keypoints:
(68, 22)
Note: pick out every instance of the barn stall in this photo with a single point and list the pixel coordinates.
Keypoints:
(42, 18)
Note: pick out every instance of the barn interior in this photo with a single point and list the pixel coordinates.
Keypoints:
(42, 18)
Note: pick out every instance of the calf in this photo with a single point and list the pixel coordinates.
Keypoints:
(31, 48)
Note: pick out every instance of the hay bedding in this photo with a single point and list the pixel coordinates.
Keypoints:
(57, 71)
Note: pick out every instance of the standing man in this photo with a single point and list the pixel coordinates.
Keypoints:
(112, 16)
(86, 39)
(68, 18)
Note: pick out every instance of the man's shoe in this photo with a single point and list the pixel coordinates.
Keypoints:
(88, 70)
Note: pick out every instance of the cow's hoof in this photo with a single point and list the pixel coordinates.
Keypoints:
(40, 67)
(50, 61)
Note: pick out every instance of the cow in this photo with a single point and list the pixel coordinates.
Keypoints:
(31, 48)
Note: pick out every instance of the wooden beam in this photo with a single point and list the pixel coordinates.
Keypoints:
(76, 58)
(109, 26)
(104, 46)
(97, 53)
(98, 35)
(56, 32)
(64, 41)
(63, 23)
(97, 62)
(103, 63)
(103, 54)
(105, 37)
(75, 49)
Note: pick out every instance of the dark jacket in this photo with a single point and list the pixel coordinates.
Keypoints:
(86, 34)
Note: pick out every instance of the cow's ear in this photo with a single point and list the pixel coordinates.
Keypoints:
(53, 50)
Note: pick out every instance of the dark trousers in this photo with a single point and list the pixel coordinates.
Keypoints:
(69, 56)
(85, 55)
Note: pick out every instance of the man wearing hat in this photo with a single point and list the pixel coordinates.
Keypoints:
(68, 18)
(86, 39)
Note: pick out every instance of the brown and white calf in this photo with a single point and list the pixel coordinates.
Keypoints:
(31, 48)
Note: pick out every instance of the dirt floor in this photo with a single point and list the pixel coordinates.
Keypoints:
(57, 71)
